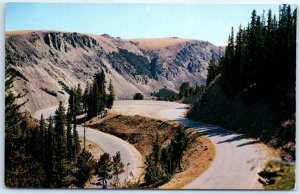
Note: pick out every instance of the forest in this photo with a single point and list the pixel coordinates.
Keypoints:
(252, 90)
(48, 154)
(260, 62)
(185, 91)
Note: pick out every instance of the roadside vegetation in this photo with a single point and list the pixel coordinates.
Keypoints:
(47, 154)
(95, 100)
(173, 154)
(185, 91)
(251, 89)
(278, 175)
(163, 163)
(138, 96)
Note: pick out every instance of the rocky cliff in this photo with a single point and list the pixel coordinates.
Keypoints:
(46, 61)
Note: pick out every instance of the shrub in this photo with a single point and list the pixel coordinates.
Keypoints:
(138, 96)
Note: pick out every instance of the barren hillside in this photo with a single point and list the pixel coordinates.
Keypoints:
(46, 61)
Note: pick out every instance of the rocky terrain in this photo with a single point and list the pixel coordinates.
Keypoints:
(46, 62)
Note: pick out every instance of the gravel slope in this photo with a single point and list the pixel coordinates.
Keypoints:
(237, 159)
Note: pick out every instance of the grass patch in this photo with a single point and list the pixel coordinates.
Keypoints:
(278, 175)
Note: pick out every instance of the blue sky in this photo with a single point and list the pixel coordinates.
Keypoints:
(200, 21)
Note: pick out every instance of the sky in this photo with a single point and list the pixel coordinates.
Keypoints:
(193, 21)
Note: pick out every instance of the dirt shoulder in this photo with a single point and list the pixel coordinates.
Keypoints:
(92, 147)
(141, 132)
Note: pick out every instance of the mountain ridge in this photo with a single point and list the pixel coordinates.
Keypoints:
(46, 59)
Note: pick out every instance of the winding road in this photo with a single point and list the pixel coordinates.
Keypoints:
(236, 163)
(131, 158)
(237, 160)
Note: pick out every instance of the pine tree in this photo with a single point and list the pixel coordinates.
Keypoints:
(49, 163)
(260, 64)
(60, 145)
(104, 169)
(43, 139)
(85, 98)
(84, 168)
(184, 90)
(179, 145)
(21, 168)
(111, 96)
(117, 168)
(156, 149)
(75, 141)
(69, 137)
(138, 96)
(72, 102)
(213, 70)
(78, 100)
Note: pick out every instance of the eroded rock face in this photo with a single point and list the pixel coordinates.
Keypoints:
(48, 58)
(62, 41)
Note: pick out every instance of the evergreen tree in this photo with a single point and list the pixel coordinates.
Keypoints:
(167, 160)
(179, 145)
(70, 154)
(72, 103)
(104, 169)
(78, 100)
(156, 149)
(83, 168)
(260, 64)
(184, 90)
(117, 168)
(21, 168)
(111, 96)
(60, 145)
(138, 96)
(85, 98)
(43, 139)
(75, 141)
(213, 71)
(49, 163)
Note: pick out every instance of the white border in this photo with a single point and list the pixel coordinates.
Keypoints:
(54, 191)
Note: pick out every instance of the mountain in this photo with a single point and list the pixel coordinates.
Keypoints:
(47, 61)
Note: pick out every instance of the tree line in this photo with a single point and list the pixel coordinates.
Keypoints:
(94, 99)
(185, 91)
(260, 62)
(163, 162)
(48, 154)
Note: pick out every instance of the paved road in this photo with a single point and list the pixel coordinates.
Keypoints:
(237, 159)
(108, 143)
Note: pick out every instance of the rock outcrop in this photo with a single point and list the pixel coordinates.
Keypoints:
(51, 59)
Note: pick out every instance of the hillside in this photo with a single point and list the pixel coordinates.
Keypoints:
(252, 89)
(256, 120)
(47, 61)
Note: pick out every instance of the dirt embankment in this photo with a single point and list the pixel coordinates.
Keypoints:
(141, 133)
